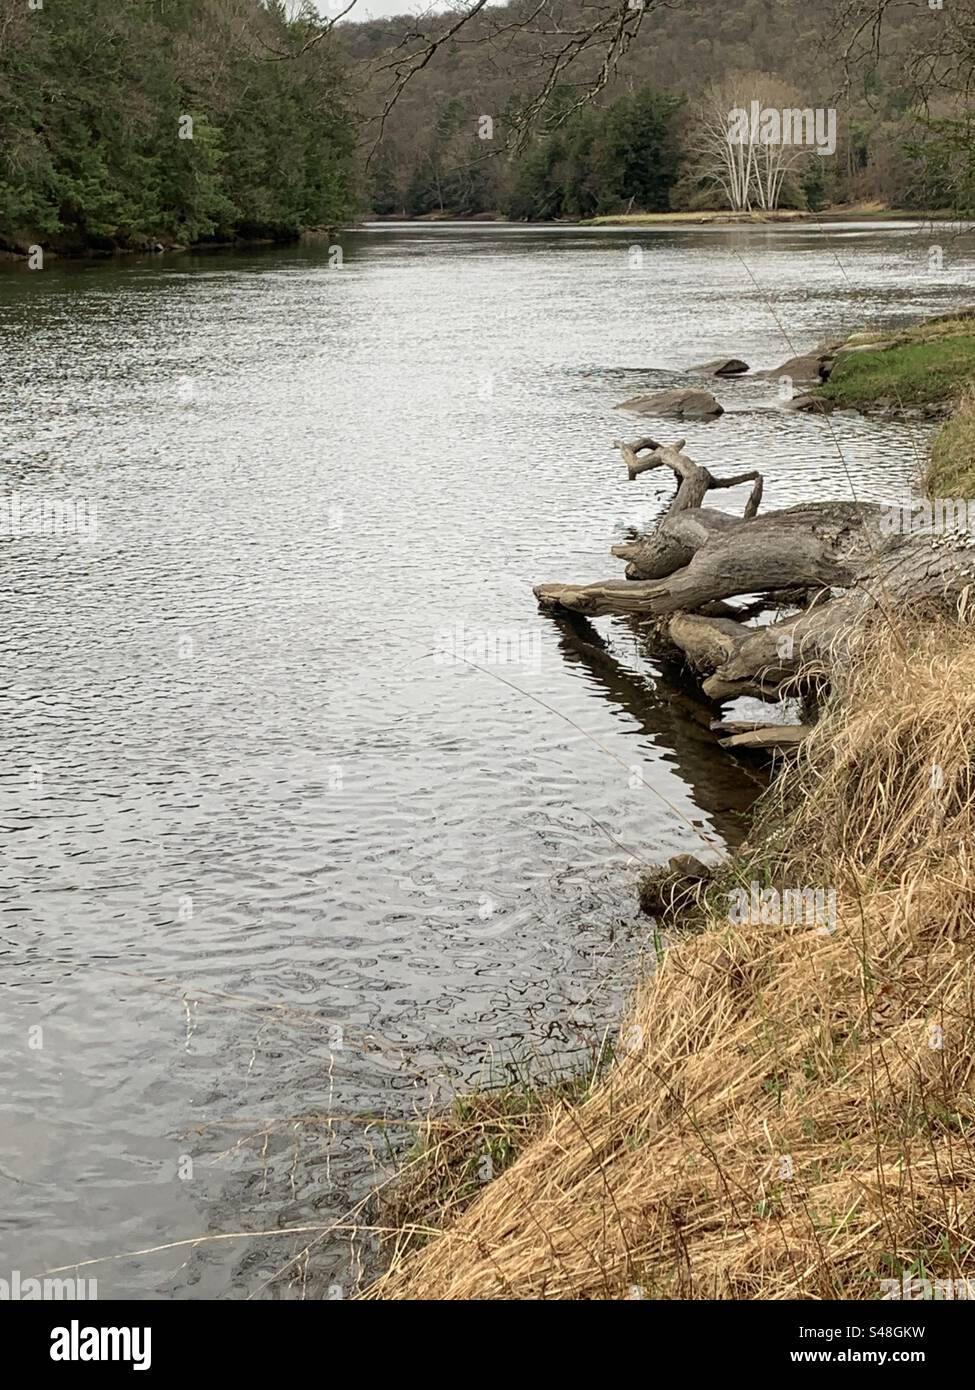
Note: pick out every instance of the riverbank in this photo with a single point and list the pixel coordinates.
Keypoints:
(856, 212)
(786, 1111)
(23, 248)
(68, 251)
(928, 365)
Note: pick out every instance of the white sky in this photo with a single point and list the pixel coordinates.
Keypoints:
(382, 9)
(376, 9)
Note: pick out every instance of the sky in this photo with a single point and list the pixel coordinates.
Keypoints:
(374, 9)
(382, 9)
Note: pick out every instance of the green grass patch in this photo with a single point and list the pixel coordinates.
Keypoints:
(923, 370)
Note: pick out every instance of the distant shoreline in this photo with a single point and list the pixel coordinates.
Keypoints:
(857, 212)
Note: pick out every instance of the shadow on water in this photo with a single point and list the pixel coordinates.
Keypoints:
(675, 716)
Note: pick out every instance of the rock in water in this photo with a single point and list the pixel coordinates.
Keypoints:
(810, 405)
(812, 367)
(721, 366)
(675, 405)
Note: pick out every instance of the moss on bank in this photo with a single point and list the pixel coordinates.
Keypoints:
(930, 366)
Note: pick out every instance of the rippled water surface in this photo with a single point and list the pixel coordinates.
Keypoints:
(275, 872)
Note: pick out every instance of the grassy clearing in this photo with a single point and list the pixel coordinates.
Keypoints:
(868, 211)
(928, 365)
(791, 1108)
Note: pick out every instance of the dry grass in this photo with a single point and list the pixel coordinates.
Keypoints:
(791, 1113)
(461, 1149)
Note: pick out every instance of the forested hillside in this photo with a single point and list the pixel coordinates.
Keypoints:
(124, 122)
(635, 145)
(129, 122)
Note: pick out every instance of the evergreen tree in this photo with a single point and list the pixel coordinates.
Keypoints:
(126, 121)
(600, 160)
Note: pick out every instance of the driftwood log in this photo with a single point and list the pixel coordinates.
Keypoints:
(835, 561)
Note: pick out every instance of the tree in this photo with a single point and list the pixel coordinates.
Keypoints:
(126, 121)
(601, 159)
(640, 151)
(748, 160)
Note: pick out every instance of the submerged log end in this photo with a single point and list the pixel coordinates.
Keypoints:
(707, 643)
(600, 600)
(552, 597)
(768, 737)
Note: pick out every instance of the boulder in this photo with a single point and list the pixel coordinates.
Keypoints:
(878, 345)
(675, 405)
(867, 339)
(812, 366)
(721, 366)
(810, 405)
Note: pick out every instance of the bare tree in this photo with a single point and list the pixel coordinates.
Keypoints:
(747, 158)
(721, 158)
(776, 159)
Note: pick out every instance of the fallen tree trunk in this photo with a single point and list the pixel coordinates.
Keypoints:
(936, 573)
(680, 574)
(697, 555)
(817, 543)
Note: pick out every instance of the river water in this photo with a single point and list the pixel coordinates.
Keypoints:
(278, 869)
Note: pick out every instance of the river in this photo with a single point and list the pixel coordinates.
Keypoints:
(278, 868)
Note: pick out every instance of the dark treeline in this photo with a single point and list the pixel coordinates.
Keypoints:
(600, 159)
(580, 163)
(124, 122)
